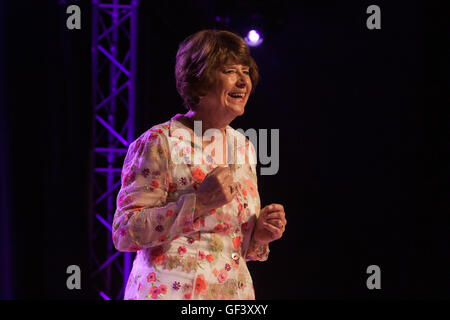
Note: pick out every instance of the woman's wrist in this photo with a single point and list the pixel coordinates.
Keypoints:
(200, 208)
(255, 239)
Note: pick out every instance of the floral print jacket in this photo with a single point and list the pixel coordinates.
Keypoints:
(179, 257)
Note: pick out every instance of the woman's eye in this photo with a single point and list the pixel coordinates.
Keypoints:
(245, 72)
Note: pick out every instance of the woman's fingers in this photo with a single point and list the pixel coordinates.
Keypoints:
(275, 215)
(223, 171)
(217, 188)
(274, 230)
(219, 172)
(272, 219)
(224, 179)
(216, 171)
(276, 222)
(278, 214)
(233, 188)
(274, 207)
(228, 180)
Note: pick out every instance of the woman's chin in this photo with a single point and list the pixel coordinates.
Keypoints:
(238, 110)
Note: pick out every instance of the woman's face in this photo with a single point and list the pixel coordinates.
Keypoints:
(231, 92)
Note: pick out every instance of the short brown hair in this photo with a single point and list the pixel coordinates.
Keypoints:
(200, 54)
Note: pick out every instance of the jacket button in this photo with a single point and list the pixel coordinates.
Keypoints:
(235, 256)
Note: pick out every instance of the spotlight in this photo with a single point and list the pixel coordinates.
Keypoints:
(223, 20)
(253, 38)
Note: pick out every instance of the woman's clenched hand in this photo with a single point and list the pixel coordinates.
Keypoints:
(216, 190)
(271, 224)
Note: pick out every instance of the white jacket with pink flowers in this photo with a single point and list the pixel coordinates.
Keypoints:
(179, 257)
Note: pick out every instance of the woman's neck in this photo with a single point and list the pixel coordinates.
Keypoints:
(207, 121)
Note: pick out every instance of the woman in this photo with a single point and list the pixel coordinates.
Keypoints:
(193, 220)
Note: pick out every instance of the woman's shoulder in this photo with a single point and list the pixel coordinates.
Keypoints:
(156, 135)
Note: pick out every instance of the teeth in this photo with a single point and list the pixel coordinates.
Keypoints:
(241, 95)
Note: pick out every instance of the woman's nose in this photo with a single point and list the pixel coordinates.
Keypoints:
(241, 84)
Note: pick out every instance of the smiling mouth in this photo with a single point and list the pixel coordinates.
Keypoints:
(237, 96)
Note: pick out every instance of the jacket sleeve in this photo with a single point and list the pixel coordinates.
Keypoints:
(255, 251)
(143, 218)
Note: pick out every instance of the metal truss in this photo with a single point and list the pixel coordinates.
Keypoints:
(114, 55)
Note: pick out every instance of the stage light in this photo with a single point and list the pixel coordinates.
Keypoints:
(224, 20)
(253, 38)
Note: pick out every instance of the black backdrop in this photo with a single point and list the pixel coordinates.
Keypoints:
(363, 141)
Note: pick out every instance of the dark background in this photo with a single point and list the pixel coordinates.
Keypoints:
(364, 142)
